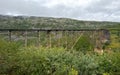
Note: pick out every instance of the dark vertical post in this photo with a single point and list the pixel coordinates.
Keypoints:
(93, 38)
(100, 38)
(96, 38)
(59, 36)
(26, 39)
(62, 39)
(9, 34)
(38, 38)
(66, 42)
(56, 39)
(72, 38)
(49, 39)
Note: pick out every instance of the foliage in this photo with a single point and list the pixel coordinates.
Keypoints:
(8, 52)
(83, 44)
(22, 22)
(17, 60)
(115, 41)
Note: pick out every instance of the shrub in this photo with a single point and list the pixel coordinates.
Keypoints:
(8, 52)
(34, 61)
(83, 44)
(55, 61)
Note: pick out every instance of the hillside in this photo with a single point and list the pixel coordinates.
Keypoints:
(22, 22)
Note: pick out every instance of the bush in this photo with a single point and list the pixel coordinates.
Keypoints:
(84, 44)
(34, 61)
(8, 52)
(55, 61)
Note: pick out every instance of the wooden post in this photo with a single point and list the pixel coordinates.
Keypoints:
(38, 38)
(66, 42)
(62, 40)
(26, 39)
(93, 38)
(58, 41)
(9, 34)
(96, 38)
(49, 39)
(73, 38)
(100, 38)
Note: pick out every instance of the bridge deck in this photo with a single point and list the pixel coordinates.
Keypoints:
(51, 29)
(57, 29)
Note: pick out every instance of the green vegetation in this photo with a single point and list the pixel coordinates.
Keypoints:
(15, 59)
(83, 44)
(23, 22)
(18, 60)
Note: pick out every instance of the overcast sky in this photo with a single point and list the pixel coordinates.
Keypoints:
(101, 10)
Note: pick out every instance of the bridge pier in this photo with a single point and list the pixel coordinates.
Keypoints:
(10, 36)
(26, 39)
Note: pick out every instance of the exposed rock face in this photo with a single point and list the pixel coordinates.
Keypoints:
(105, 38)
(102, 41)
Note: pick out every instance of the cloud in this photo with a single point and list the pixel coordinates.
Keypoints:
(13, 13)
(102, 10)
(67, 3)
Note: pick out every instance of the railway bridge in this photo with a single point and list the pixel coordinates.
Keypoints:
(66, 38)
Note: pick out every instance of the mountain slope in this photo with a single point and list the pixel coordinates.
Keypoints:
(22, 22)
